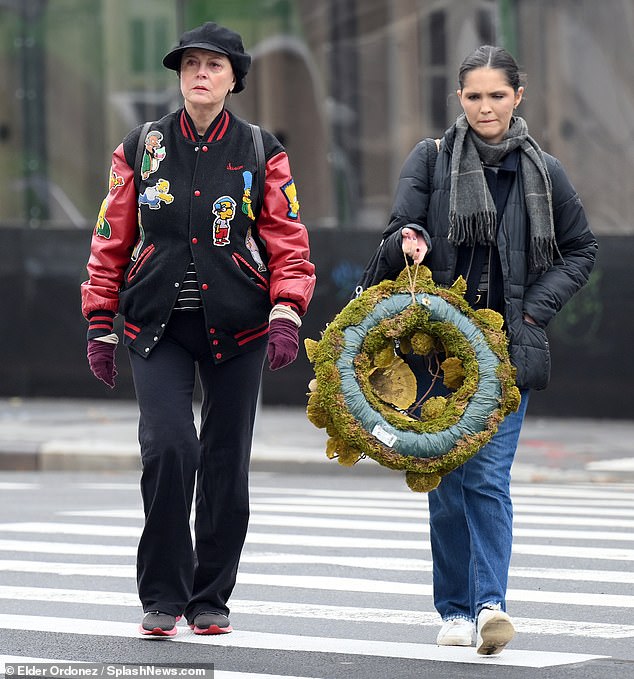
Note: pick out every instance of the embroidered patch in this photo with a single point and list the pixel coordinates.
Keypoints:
(290, 192)
(154, 195)
(252, 246)
(246, 196)
(102, 228)
(225, 209)
(115, 181)
(154, 153)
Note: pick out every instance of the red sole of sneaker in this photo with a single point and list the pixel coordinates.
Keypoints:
(157, 632)
(214, 629)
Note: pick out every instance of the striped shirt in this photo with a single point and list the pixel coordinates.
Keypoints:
(189, 295)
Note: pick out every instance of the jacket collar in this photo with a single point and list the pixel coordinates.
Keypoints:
(214, 132)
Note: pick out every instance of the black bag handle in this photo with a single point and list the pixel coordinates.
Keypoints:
(256, 133)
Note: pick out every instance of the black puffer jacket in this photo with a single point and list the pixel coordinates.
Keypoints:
(422, 202)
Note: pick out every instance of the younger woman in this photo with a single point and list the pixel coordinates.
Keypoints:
(503, 214)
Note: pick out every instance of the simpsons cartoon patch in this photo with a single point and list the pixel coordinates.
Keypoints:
(290, 193)
(154, 153)
(153, 196)
(115, 181)
(102, 228)
(246, 195)
(224, 209)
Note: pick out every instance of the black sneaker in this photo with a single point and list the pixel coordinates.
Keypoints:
(159, 624)
(211, 623)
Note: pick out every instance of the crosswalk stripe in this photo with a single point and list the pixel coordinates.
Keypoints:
(617, 464)
(18, 485)
(588, 495)
(406, 509)
(311, 522)
(322, 611)
(518, 518)
(40, 547)
(622, 493)
(72, 529)
(341, 584)
(423, 527)
(542, 517)
(377, 564)
(288, 642)
(329, 541)
(591, 494)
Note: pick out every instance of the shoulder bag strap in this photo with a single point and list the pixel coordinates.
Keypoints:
(432, 157)
(256, 133)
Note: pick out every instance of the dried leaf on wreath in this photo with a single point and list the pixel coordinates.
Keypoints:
(310, 345)
(384, 358)
(453, 372)
(395, 384)
(422, 343)
(459, 286)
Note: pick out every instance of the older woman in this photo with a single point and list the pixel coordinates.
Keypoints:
(206, 281)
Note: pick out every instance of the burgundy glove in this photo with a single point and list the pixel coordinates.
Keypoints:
(101, 361)
(283, 342)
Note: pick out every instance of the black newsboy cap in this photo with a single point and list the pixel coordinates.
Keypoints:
(211, 36)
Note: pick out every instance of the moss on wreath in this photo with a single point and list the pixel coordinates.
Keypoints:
(377, 362)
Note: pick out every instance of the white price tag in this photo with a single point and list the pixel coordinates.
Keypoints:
(384, 436)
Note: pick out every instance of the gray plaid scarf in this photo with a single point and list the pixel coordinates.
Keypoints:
(472, 213)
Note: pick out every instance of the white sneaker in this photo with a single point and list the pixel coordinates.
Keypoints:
(494, 631)
(456, 632)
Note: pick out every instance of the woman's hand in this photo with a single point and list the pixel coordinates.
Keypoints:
(101, 361)
(414, 244)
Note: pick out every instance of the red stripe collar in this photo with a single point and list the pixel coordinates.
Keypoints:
(215, 131)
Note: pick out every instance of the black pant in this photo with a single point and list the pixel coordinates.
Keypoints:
(172, 576)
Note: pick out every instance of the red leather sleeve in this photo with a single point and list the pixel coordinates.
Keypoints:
(113, 239)
(285, 237)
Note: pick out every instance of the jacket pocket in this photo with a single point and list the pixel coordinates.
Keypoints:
(246, 268)
(530, 354)
(140, 262)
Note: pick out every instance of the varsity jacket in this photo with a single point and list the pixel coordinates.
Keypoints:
(195, 202)
(422, 202)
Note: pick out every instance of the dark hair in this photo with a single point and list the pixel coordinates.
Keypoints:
(488, 56)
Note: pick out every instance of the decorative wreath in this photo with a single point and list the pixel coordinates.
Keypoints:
(365, 395)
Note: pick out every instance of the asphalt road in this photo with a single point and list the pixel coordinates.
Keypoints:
(335, 581)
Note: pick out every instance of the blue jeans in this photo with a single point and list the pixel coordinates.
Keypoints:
(471, 519)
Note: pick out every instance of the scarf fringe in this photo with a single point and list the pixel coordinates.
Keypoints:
(541, 254)
(475, 228)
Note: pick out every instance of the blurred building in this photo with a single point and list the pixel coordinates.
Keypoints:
(349, 86)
